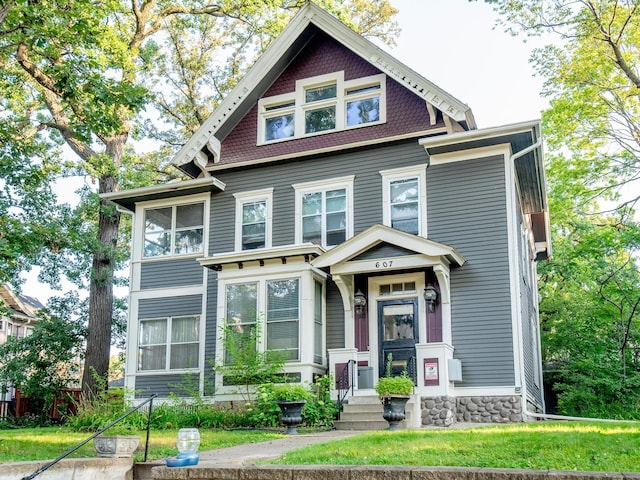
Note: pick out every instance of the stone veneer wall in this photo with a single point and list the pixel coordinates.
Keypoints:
(443, 411)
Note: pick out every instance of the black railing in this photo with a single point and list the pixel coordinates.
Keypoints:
(412, 370)
(345, 382)
(99, 432)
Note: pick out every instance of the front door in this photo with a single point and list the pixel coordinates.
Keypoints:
(398, 330)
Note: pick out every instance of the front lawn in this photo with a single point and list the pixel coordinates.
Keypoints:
(539, 446)
(28, 444)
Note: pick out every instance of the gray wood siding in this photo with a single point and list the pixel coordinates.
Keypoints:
(364, 164)
(527, 311)
(212, 332)
(170, 273)
(170, 306)
(383, 250)
(162, 385)
(466, 209)
(335, 317)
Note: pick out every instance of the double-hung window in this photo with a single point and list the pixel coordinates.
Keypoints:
(322, 104)
(170, 343)
(280, 301)
(253, 219)
(324, 211)
(405, 200)
(174, 230)
(283, 317)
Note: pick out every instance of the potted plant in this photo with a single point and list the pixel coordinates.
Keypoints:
(291, 398)
(394, 392)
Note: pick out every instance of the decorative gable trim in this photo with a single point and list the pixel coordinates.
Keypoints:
(378, 234)
(275, 58)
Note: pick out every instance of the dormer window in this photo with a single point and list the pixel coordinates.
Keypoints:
(322, 104)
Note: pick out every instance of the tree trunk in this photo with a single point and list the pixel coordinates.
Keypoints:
(94, 377)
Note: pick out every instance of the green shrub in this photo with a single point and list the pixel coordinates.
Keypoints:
(398, 385)
(291, 392)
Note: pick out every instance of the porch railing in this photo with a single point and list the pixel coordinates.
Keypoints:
(345, 383)
(99, 432)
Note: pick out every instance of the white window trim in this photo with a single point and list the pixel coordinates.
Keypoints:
(261, 308)
(324, 185)
(405, 173)
(340, 102)
(139, 230)
(250, 197)
(169, 343)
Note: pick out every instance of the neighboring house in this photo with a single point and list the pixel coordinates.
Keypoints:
(18, 315)
(354, 209)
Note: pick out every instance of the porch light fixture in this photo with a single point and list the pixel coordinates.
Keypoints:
(359, 301)
(431, 296)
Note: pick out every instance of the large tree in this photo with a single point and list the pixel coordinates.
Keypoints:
(590, 290)
(77, 84)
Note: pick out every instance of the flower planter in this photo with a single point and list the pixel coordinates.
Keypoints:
(116, 446)
(393, 409)
(291, 415)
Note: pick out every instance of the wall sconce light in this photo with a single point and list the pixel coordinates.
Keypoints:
(431, 296)
(360, 301)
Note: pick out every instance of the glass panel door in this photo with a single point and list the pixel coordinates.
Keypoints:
(398, 331)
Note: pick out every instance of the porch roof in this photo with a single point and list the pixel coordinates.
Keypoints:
(378, 234)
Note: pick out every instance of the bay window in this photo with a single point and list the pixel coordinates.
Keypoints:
(280, 302)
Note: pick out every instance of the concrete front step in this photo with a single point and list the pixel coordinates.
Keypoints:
(363, 425)
(365, 414)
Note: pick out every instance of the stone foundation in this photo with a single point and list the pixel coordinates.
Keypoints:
(443, 411)
(489, 409)
(438, 411)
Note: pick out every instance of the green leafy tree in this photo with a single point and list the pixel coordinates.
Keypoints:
(80, 79)
(43, 363)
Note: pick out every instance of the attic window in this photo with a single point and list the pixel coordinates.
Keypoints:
(322, 104)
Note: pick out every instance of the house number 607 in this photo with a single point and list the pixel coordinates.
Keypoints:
(385, 264)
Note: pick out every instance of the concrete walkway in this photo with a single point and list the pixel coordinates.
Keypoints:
(270, 449)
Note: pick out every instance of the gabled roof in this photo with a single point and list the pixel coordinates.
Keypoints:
(21, 306)
(309, 19)
(378, 234)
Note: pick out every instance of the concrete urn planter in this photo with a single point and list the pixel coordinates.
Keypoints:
(116, 446)
(393, 409)
(291, 415)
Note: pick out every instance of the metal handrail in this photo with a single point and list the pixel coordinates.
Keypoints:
(102, 430)
(343, 377)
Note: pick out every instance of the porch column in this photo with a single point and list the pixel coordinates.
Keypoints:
(345, 286)
(442, 274)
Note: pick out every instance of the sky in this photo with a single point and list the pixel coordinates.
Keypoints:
(453, 44)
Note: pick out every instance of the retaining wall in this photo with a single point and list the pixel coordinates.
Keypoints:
(325, 472)
(72, 469)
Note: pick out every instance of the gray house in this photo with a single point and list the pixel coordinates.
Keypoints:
(353, 209)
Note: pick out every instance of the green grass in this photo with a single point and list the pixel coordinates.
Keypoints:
(28, 444)
(539, 446)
